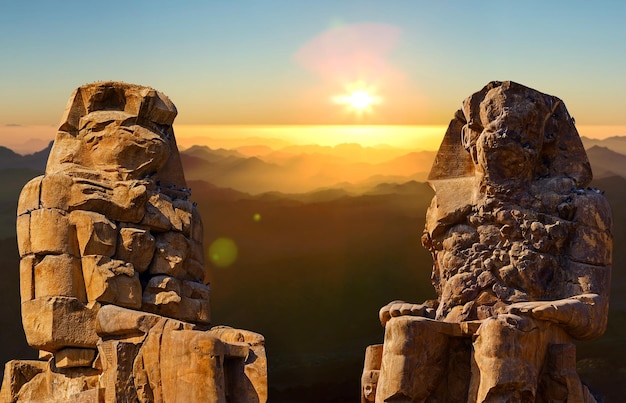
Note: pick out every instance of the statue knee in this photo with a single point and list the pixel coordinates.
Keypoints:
(512, 321)
(507, 325)
(508, 354)
(408, 334)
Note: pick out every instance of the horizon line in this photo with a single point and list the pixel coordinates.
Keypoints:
(26, 139)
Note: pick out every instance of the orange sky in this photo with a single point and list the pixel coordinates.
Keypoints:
(283, 63)
(275, 64)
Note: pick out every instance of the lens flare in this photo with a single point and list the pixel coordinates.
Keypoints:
(223, 252)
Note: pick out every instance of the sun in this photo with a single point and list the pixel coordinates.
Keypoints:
(359, 98)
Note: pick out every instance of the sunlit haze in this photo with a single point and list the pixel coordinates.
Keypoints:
(407, 137)
(29, 139)
(281, 66)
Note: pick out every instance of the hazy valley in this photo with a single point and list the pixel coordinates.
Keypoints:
(325, 237)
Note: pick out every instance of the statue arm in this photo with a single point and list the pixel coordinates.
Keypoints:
(583, 316)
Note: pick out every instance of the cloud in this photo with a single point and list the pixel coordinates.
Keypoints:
(13, 125)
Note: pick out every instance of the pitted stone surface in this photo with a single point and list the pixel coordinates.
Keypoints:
(522, 258)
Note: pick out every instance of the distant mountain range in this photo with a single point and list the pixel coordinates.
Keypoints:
(303, 173)
(615, 143)
(326, 236)
(12, 160)
(297, 169)
(301, 169)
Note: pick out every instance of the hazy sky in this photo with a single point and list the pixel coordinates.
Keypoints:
(281, 62)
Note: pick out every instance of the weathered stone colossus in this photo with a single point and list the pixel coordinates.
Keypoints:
(522, 262)
(112, 274)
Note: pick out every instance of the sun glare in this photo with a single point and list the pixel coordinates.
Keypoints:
(359, 98)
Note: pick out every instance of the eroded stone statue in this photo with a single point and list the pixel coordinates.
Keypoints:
(112, 276)
(522, 261)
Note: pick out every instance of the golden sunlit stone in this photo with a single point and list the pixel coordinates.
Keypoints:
(113, 205)
(522, 261)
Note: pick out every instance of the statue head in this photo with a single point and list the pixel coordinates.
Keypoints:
(122, 131)
(515, 135)
(505, 138)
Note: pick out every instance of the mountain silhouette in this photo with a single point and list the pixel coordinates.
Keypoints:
(301, 169)
(36, 161)
(606, 162)
(615, 143)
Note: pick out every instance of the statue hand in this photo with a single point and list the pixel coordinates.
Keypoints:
(400, 308)
(583, 316)
(553, 311)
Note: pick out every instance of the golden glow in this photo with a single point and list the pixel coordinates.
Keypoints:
(360, 98)
(414, 137)
(279, 136)
(601, 131)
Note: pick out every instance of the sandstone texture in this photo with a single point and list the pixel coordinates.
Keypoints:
(522, 262)
(112, 275)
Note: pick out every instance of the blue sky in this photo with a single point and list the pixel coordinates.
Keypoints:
(234, 62)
